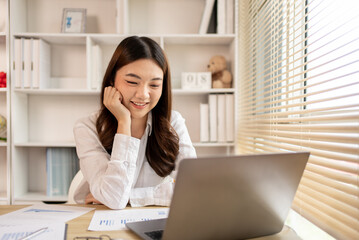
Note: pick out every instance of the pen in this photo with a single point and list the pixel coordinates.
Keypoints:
(33, 234)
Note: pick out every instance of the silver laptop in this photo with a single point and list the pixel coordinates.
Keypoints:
(230, 197)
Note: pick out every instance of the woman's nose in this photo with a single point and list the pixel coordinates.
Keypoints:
(142, 92)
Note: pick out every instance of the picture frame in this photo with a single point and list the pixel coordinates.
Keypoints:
(73, 20)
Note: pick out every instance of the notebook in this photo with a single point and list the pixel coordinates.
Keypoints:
(229, 197)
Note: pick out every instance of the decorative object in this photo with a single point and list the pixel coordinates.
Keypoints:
(2, 79)
(221, 77)
(73, 20)
(3, 131)
(196, 80)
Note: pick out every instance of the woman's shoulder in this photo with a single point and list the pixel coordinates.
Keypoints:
(88, 121)
(176, 118)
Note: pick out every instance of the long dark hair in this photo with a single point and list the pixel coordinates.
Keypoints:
(163, 142)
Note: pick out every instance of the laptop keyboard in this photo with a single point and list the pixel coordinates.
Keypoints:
(156, 235)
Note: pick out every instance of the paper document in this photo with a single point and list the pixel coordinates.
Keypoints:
(23, 222)
(54, 231)
(108, 220)
(45, 212)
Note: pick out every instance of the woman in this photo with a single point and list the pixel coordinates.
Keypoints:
(130, 149)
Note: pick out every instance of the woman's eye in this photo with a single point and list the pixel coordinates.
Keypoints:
(155, 86)
(130, 82)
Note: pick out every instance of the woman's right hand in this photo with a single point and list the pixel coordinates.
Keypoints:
(91, 200)
(112, 100)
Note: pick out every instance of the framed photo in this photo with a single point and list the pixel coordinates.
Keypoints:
(73, 20)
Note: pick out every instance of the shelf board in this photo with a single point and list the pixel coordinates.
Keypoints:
(39, 196)
(201, 91)
(199, 39)
(45, 144)
(114, 39)
(56, 38)
(58, 91)
(3, 144)
(107, 39)
(97, 92)
(200, 144)
(3, 89)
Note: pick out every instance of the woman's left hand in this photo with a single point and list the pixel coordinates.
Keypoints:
(90, 199)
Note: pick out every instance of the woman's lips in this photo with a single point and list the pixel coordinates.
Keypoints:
(139, 105)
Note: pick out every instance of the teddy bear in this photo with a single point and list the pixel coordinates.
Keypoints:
(221, 77)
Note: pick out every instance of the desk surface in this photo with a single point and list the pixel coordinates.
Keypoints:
(78, 227)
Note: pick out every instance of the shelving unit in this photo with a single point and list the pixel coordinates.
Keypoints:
(44, 118)
(4, 105)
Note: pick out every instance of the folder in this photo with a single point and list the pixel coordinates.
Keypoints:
(230, 117)
(61, 166)
(96, 68)
(204, 122)
(221, 17)
(122, 17)
(230, 16)
(41, 64)
(212, 105)
(27, 62)
(17, 64)
(221, 115)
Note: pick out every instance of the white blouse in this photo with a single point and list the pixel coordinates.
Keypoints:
(125, 176)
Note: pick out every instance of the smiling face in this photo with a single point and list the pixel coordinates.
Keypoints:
(140, 84)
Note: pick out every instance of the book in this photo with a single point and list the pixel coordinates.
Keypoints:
(221, 116)
(229, 117)
(212, 106)
(208, 9)
(17, 64)
(41, 64)
(27, 59)
(204, 122)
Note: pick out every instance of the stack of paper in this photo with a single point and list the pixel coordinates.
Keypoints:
(109, 220)
(51, 218)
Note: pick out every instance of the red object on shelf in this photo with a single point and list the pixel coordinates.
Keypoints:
(2, 79)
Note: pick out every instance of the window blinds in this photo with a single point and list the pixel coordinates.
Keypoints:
(299, 91)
